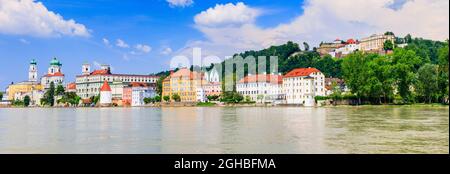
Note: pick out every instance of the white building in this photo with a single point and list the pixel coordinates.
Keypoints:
(375, 43)
(54, 75)
(261, 88)
(33, 71)
(302, 85)
(105, 94)
(200, 94)
(349, 47)
(89, 83)
(140, 91)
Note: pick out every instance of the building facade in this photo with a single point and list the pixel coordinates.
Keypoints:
(140, 91)
(105, 95)
(31, 87)
(184, 83)
(54, 74)
(261, 88)
(302, 85)
(89, 83)
(375, 43)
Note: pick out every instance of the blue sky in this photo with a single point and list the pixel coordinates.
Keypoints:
(149, 28)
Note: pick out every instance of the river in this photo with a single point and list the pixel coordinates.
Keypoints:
(366, 129)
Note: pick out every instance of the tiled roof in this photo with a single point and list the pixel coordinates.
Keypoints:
(105, 86)
(101, 72)
(262, 78)
(71, 86)
(137, 84)
(184, 72)
(300, 72)
(57, 74)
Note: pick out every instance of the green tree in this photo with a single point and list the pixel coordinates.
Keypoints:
(59, 90)
(443, 73)
(388, 45)
(148, 100)
(260, 97)
(176, 97)
(248, 99)
(354, 72)
(405, 65)
(26, 101)
(157, 98)
(166, 98)
(427, 82)
(1, 95)
(306, 46)
(49, 96)
(159, 83)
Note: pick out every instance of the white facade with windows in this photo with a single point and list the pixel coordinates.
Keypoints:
(302, 85)
(261, 88)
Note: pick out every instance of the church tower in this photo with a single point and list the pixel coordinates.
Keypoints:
(86, 69)
(32, 71)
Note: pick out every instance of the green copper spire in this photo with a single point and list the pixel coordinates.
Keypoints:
(55, 62)
(33, 62)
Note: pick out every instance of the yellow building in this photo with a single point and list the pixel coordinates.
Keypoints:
(375, 43)
(17, 90)
(185, 83)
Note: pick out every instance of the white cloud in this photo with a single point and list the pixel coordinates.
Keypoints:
(143, 48)
(120, 43)
(106, 42)
(180, 3)
(227, 14)
(321, 20)
(24, 41)
(166, 51)
(28, 17)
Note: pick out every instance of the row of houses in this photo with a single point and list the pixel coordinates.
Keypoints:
(299, 86)
(125, 89)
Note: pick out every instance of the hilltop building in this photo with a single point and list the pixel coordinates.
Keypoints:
(89, 83)
(302, 85)
(54, 74)
(375, 43)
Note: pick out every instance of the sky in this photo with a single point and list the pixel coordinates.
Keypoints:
(142, 36)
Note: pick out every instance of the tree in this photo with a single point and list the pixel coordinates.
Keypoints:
(388, 45)
(176, 97)
(427, 82)
(26, 101)
(166, 98)
(260, 97)
(95, 99)
(389, 33)
(159, 82)
(231, 97)
(157, 98)
(408, 38)
(443, 82)
(248, 99)
(405, 64)
(59, 90)
(1, 95)
(49, 96)
(148, 100)
(306, 45)
(354, 72)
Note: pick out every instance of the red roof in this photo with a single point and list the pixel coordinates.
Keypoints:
(262, 78)
(105, 87)
(71, 86)
(100, 72)
(56, 74)
(137, 84)
(299, 72)
(351, 41)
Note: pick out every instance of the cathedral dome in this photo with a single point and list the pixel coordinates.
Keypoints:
(55, 62)
(33, 62)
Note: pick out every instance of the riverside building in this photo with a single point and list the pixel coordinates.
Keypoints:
(302, 85)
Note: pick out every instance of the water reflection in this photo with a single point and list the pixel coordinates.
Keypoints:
(379, 129)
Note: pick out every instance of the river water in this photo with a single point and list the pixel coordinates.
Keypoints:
(366, 129)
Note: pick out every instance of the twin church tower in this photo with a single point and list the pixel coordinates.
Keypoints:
(54, 73)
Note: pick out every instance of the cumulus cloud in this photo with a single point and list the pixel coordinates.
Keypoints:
(180, 3)
(122, 44)
(143, 48)
(28, 17)
(227, 14)
(321, 20)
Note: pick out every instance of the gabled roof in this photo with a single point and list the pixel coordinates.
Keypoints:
(101, 72)
(71, 86)
(105, 86)
(301, 72)
(268, 78)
